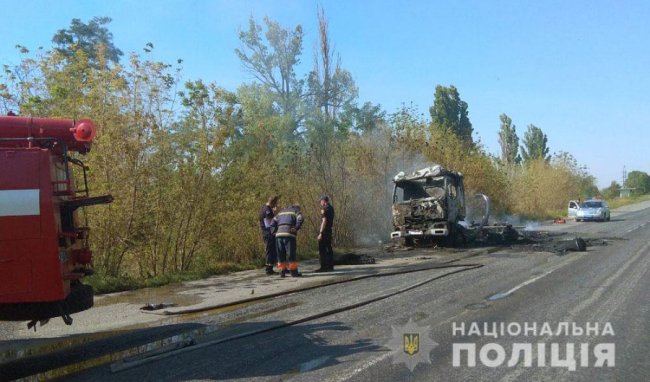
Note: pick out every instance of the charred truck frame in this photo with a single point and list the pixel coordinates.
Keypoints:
(44, 250)
(427, 205)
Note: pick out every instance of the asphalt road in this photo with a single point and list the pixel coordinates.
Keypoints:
(607, 285)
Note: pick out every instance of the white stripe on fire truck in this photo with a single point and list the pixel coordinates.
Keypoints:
(19, 202)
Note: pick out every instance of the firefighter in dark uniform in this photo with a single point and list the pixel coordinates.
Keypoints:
(266, 219)
(286, 225)
(325, 251)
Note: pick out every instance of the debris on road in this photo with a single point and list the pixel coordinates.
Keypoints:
(578, 245)
(352, 258)
(395, 246)
(157, 306)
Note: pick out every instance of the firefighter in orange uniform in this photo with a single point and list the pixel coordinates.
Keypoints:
(286, 225)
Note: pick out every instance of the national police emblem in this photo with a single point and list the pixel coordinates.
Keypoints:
(411, 345)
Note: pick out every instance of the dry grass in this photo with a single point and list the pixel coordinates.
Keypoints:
(620, 202)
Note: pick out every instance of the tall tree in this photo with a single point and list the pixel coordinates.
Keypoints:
(362, 119)
(449, 112)
(639, 181)
(535, 145)
(509, 141)
(92, 38)
(272, 60)
(330, 86)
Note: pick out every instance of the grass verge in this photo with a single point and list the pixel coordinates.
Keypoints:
(110, 284)
(103, 284)
(620, 202)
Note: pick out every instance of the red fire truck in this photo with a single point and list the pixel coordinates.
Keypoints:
(44, 250)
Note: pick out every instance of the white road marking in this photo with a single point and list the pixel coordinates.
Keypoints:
(314, 363)
(530, 281)
(582, 305)
(637, 227)
(570, 317)
(364, 367)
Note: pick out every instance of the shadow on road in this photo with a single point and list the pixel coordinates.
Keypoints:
(282, 352)
(54, 353)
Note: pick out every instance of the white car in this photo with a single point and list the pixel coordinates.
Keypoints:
(593, 209)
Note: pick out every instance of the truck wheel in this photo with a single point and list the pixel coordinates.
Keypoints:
(79, 299)
(455, 237)
(459, 238)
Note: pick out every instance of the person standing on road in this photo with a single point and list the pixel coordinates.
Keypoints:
(266, 219)
(325, 251)
(286, 225)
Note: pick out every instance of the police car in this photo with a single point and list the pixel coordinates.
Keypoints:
(593, 209)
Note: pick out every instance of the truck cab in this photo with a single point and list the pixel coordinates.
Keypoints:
(427, 204)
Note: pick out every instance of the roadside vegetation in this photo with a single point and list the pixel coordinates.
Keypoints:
(621, 202)
(103, 283)
(189, 163)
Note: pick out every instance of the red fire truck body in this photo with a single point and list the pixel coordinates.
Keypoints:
(44, 250)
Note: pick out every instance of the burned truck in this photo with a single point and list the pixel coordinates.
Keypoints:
(428, 205)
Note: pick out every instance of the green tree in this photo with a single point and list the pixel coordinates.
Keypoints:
(330, 86)
(330, 89)
(200, 140)
(362, 119)
(535, 145)
(639, 181)
(449, 112)
(23, 88)
(408, 124)
(575, 173)
(588, 187)
(128, 138)
(92, 38)
(613, 191)
(272, 60)
(509, 141)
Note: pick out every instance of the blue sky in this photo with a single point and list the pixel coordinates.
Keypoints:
(577, 69)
